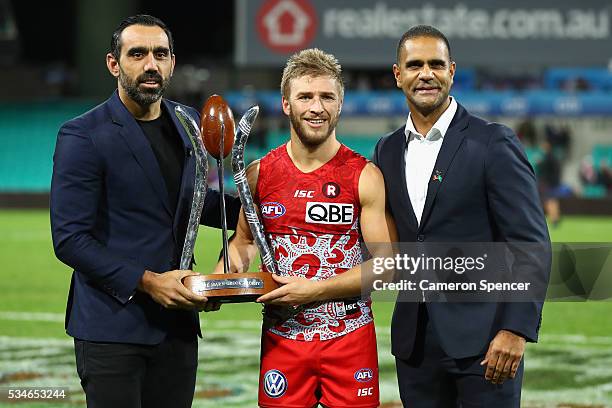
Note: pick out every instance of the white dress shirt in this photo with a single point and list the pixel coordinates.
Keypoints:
(421, 154)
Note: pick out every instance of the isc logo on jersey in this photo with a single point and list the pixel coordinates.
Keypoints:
(329, 213)
(303, 194)
(272, 210)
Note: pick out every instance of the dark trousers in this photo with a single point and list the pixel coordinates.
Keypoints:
(431, 379)
(117, 375)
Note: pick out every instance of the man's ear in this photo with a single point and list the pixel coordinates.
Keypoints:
(286, 106)
(112, 64)
(173, 63)
(398, 75)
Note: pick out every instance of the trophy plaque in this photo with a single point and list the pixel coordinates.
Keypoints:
(217, 135)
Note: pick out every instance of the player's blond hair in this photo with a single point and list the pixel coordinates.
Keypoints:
(311, 62)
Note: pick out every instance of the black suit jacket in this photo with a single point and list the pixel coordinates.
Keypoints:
(488, 193)
(111, 220)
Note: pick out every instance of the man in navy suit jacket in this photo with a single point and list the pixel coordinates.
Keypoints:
(452, 177)
(123, 182)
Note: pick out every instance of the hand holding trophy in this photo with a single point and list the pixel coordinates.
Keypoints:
(216, 135)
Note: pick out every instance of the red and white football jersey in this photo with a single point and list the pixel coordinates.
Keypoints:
(312, 224)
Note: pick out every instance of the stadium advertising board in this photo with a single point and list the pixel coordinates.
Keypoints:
(364, 33)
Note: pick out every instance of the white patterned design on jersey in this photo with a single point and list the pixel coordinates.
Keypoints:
(319, 257)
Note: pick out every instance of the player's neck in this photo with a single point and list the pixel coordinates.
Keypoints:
(308, 159)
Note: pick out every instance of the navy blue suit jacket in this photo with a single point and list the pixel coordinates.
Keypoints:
(111, 220)
(488, 194)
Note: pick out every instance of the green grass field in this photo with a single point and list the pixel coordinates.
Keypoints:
(570, 367)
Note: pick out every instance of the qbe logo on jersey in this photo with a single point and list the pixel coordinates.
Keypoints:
(275, 383)
(329, 213)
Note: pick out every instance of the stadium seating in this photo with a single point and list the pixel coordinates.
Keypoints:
(602, 154)
(27, 142)
(594, 78)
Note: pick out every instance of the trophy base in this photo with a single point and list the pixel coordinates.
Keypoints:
(231, 287)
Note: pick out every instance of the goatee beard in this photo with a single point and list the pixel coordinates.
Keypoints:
(144, 97)
(311, 142)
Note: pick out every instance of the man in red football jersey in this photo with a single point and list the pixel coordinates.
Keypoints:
(317, 199)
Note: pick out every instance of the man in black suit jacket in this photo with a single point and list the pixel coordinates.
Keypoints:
(123, 182)
(453, 177)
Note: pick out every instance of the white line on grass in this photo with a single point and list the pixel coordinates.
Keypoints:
(256, 324)
(33, 317)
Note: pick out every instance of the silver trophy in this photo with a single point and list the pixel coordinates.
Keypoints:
(216, 135)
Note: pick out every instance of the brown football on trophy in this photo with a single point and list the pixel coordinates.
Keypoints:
(215, 113)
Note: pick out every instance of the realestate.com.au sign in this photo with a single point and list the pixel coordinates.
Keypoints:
(365, 32)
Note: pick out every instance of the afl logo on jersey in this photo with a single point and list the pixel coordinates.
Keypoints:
(275, 383)
(331, 190)
(272, 210)
(364, 375)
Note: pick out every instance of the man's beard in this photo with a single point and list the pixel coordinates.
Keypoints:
(147, 96)
(301, 131)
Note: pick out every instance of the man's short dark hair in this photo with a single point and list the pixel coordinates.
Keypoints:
(422, 31)
(139, 19)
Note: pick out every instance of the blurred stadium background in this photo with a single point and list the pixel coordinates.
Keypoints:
(543, 68)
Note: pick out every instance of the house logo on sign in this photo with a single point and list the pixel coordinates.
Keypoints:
(286, 26)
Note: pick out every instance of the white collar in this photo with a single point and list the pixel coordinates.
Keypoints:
(441, 124)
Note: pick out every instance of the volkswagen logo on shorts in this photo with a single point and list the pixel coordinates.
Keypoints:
(275, 383)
